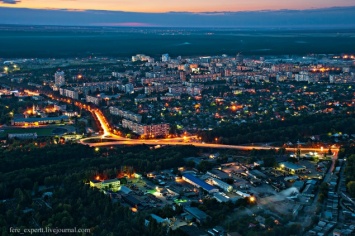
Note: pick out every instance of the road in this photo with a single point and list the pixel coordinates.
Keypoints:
(109, 133)
(173, 142)
(183, 141)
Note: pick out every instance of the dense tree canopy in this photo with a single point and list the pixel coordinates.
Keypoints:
(28, 171)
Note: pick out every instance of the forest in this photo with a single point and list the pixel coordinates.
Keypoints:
(27, 171)
(348, 153)
(292, 129)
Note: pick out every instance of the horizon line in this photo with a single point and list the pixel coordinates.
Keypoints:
(181, 12)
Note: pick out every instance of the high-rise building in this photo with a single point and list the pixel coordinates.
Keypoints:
(165, 58)
(239, 58)
(59, 79)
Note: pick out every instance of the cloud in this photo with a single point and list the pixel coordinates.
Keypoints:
(295, 19)
(9, 1)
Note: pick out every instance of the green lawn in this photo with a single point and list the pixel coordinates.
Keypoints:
(180, 200)
(152, 191)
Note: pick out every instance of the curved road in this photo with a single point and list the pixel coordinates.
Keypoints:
(181, 143)
(117, 140)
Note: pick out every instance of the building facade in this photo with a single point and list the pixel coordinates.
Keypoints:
(59, 79)
(154, 130)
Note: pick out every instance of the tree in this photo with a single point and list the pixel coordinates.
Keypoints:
(35, 188)
(190, 164)
(351, 188)
(204, 166)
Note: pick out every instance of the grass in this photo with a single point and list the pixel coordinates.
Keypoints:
(180, 200)
(152, 191)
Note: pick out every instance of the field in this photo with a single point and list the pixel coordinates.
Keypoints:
(123, 42)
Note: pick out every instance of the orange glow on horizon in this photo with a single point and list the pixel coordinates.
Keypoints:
(159, 6)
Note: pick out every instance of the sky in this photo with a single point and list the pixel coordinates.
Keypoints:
(181, 13)
(176, 5)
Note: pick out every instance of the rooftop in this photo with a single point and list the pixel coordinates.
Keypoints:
(199, 182)
(196, 212)
(110, 181)
(290, 165)
(35, 119)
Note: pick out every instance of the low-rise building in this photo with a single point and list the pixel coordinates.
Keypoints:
(34, 121)
(199, 215)
(291, 167)
(197, 182)
(223, 185)
(112, 184)
(23, 136)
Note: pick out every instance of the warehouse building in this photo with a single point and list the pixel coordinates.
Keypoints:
(291, 167)
(191, 179)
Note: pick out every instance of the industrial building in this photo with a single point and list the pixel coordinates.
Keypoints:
(34, 121)
(223, 185)
(191, 179)
(113, 184)
(215, 173)
(199, 215)
(291, 167)
(23, 136)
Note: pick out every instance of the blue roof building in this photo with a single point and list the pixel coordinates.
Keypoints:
(191, 179)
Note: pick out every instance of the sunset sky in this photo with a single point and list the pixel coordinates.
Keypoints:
(174, 5)
(181, 13)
